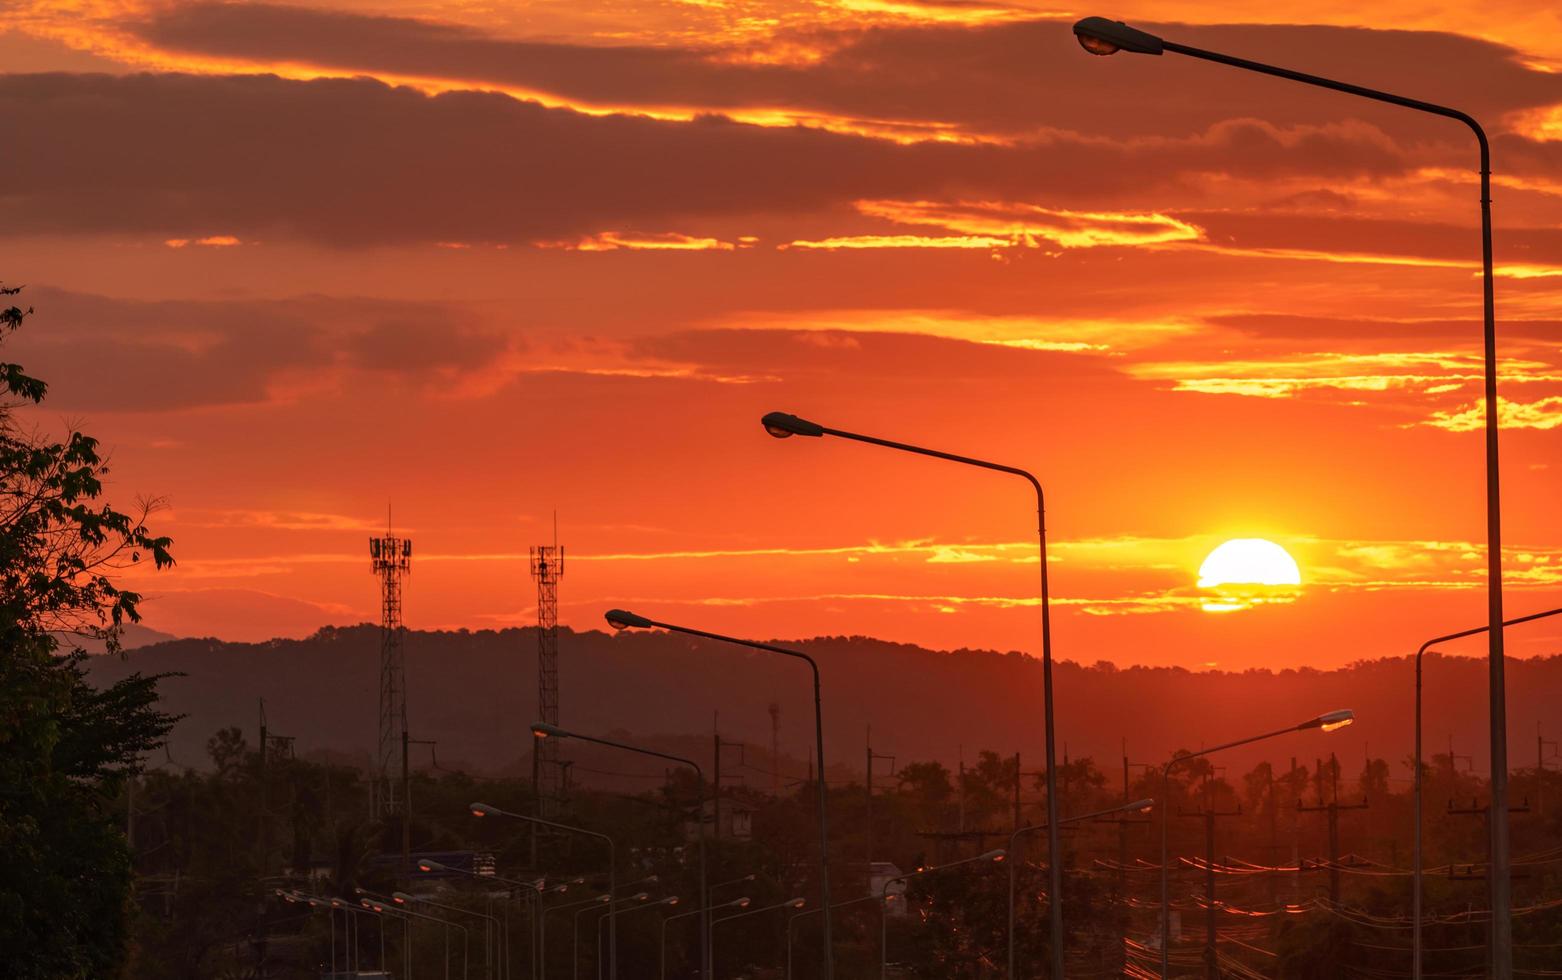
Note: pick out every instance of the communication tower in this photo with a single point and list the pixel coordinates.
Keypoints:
(391, 558)
(547, 567)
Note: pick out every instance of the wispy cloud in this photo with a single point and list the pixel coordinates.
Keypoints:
(1544, 413)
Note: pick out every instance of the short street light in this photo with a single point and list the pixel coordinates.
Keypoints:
(404, 898)
(792, 904)
(1328, 722)
(993, 856)
(783, 425)
(485, 810)
(622, 619)
(1417, 870)
(736, 903)
(1138, 806)
(544, 730)
(1099, 35)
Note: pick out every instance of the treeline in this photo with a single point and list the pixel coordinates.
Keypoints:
(214, 845)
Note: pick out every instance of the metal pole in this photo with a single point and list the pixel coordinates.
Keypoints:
(1417, 859)
(621, 619)
(778, 423)
(824, 829)
(1500, 878)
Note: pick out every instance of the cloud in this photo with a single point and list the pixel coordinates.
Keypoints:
(1543, 414)
(191, 153)
(100, 353)
(995, 79)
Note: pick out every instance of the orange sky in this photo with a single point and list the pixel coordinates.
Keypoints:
(491, 261)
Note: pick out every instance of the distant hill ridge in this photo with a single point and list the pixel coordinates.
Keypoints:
(475, 692)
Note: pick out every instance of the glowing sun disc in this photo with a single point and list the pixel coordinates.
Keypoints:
(1249, 561)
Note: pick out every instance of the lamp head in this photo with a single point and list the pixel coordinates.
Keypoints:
(1330, 721)
(544, 730)
(784, 426)
(402, 898)
(1142, 806)
(623, 619)
(740, 903)
(424, 864)
(1335, 720)
(996, 855)
(602, 898)
(337, 903)
(669, 900)
(797, 903)
(484, 810)
(315, 903)
(1099, 35)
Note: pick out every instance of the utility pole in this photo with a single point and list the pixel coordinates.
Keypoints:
(1332, 809)
(1470, 874)
(1123, 822)
(716, 773)
(1209, 814)
(868, 835)
(775, 749)
(1541, 742)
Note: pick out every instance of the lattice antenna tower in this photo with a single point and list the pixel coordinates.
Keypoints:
(391, 558)
(547, 567)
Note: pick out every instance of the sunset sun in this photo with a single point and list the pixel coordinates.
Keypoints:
(1246, 572)
(1249, 561)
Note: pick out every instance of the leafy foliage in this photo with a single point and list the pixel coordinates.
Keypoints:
(65, 746)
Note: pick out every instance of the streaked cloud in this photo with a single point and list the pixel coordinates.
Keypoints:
(1542, 414)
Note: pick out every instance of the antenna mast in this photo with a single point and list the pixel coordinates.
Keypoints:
(391, 558)
(547, 567)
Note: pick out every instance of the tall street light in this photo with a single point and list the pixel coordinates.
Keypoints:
(994, 856)
(1098, 35)
(783, 426)
(484, 810)
(1138, 806)
(631, 900)
(1328, 722)
(621, 619)
(1416, 864)
(736, 903)
(543, 730)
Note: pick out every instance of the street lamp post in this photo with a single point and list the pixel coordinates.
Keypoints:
(611, 910)
(484, 810)
(736, 903)
(530, 890)
(791, 903)
(621, 619)
(382, 908)
(1138, 806)
(783, 426)
(543, 730)
(670, 900)
(1328, 722)
(994, 856)
(803, 915)
(402, 898)
(1098, 35)
(542, 947)
(1416, 864)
